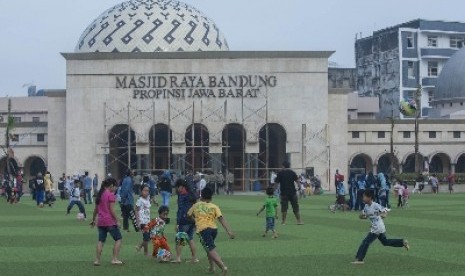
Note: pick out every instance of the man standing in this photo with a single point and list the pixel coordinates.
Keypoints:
(127, 199)
(286, 178)
(87, 188)
(95, 184)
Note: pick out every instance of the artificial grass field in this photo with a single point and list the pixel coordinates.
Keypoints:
(46, 242)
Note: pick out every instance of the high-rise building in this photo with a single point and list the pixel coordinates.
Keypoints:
(393, 62)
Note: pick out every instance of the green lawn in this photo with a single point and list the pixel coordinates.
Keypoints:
(46, 242)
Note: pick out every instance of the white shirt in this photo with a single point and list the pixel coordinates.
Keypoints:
(202, 184)
(144, 210)
(75, 194)
(373, 212)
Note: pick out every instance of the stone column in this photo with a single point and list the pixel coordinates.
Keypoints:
(452, 168)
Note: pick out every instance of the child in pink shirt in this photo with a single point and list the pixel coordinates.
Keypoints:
(107, 220)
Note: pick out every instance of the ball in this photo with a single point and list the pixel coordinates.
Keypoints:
(80, 216)
(182, 238)
(163, 255)
(408, 108)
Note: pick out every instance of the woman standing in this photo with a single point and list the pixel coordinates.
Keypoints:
(107, 220)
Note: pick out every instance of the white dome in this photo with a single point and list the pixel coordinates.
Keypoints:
(152, 26)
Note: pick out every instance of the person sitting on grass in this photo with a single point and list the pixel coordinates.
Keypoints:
(271, 203)
(205, 214)
(375, 213)
(156, 228)
(186, 199)
(107, 220)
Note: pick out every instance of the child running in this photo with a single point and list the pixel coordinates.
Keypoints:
(375, 213)
(143, 217)
(271, 203)
(186, 199)
(156, 228)
(205, 214)
(75, 199)
(107, 220)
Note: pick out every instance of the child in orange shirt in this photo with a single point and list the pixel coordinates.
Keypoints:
(156, 228)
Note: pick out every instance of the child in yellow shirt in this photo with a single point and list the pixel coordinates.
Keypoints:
(205, 215)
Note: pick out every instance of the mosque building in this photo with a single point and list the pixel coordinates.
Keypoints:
(152, 85)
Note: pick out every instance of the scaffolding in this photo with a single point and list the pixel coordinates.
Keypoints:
(198, 148)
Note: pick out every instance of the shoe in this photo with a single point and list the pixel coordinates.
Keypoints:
(357, 262)
(406, 245)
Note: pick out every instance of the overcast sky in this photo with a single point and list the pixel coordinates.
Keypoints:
(34, 32)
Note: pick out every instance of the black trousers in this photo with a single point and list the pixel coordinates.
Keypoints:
(126, 211)
(371, 237)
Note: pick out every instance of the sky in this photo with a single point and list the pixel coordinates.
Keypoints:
(35, 32)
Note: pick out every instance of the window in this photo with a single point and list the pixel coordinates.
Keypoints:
(432, 68)
(355, 134)
(406, 134)
(410, 41)
(457, 134)
(411, 70)
(17, 119)
(451, 104)
(456, 42)
(432, 134)
(35, 119)
(430, 96)
(381, 134)
(41, 137)
(14, 138)
(432, 41)
(461, 103)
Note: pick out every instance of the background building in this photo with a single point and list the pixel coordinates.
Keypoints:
(394, 61)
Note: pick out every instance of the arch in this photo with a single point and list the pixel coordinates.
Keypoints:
(408, 163)
(272, 148)
(160, 139)
(361, 163)
(234, 137)
(197, 148)
(440, 163)
(387, 164)
(122, 150)
(33, 165)
(460, 164)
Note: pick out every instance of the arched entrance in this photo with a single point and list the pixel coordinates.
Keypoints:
(160, 147)
(409, 163)
(388, 164)
(122, 152)
(33, 165)
(234, 153)
(460, 166)
(197, 148)
(361, 163)
(272, 148)
(440, 163)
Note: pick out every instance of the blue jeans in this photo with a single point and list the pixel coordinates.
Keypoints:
(165, 197)
(80, 206)
(270, 222)
(88, 196)
(40, 196)
(371, 237)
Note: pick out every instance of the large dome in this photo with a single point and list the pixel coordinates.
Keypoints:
(450, 85)
(152, 26)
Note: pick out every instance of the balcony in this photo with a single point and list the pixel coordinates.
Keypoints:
(429, 81)
(444, 53)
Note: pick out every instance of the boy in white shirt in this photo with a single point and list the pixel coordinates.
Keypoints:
(375, 213)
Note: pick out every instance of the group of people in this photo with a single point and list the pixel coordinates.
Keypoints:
(194, 214)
